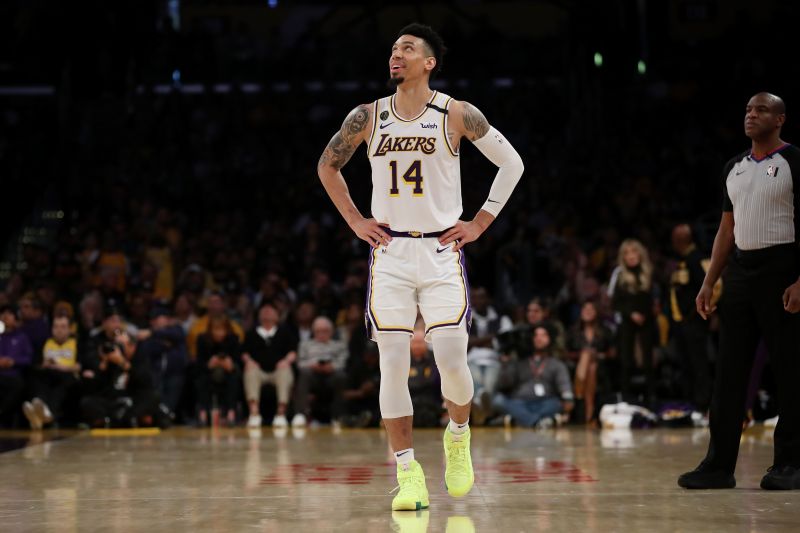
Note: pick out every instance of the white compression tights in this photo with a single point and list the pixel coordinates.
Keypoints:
(450, 352)
(395, 361)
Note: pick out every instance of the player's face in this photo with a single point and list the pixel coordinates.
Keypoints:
(760, 117)
(409, 59)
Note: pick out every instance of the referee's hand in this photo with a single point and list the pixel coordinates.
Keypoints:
(791, 297)
(703, 301)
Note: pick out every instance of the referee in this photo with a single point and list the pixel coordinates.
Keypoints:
(758, 239)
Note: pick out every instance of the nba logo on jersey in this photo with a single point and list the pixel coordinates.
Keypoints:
(772, 171)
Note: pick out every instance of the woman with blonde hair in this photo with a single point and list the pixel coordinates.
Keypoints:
(631, 289)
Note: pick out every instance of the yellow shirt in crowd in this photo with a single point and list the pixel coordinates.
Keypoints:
(61, 354)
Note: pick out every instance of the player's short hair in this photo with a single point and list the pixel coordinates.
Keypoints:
(431, 38)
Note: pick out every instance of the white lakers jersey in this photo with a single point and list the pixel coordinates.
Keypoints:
(416, 178)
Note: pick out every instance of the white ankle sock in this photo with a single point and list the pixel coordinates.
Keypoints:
(458, 429)
(404, 457)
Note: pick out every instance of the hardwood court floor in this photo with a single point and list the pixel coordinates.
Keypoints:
(569, 479)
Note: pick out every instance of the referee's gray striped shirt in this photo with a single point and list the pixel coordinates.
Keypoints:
(764, 195)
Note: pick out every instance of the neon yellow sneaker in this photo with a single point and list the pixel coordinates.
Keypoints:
(413, 494)
(458, 474)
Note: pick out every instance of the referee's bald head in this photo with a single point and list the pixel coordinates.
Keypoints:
(776, 103)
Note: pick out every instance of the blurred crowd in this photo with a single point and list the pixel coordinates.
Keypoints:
(144, 341)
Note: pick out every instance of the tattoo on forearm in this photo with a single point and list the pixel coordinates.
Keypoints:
(342, 146)
(475, 122)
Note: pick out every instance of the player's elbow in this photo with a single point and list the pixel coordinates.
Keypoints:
(515, 167)
(325, 172)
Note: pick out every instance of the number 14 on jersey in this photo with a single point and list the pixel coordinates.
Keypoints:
(411, 176)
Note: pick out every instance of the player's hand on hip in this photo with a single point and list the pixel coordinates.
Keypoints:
(703, 302)
(461, 233)
(791, 297)
(369, 230)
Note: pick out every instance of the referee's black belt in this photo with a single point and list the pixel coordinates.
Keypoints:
(754, 258)
(415, 234)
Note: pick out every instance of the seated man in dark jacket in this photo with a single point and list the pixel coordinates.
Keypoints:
(537, 387)
(164, 348)
(120, 389)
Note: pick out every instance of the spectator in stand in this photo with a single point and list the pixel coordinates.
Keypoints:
(90, 310)
(322, 292)
(34, 323)
(588, 344)
(303, 318)
(216, 310)
(483, 354)
(268, 354)
(424, 383)
(218, 369)
(537, 388)
(184, 312)
(321, 362)
(163, 346)
(352, 331)
(64, 309)
(539, 312)
(361, 393)
(112, 265)
(631, 289)
(689, 330)
(139, 310)
(55, 378)
(16, 357)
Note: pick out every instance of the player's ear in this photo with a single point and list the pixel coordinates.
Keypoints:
(430, 63)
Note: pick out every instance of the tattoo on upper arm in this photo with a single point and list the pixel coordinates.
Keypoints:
(342, 145)
(474, 122)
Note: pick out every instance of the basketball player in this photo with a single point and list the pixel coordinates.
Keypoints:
(413, 139)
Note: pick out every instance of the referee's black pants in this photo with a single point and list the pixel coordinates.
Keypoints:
(751, 308)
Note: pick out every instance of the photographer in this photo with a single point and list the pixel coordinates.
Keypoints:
(218, 369)
(120, 390)
(321, 361)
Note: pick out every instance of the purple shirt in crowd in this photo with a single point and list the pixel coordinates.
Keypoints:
(38, 331)
(17, 346)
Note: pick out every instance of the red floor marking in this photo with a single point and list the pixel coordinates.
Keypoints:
(486, 473)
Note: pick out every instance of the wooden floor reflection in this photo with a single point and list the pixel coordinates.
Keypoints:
(570, 479)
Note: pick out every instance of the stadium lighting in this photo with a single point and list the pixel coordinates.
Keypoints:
(598, 59)
(641, 67)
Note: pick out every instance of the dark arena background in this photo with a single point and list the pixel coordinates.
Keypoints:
(158, 184)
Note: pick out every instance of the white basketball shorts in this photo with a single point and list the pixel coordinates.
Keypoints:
(416, 272)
